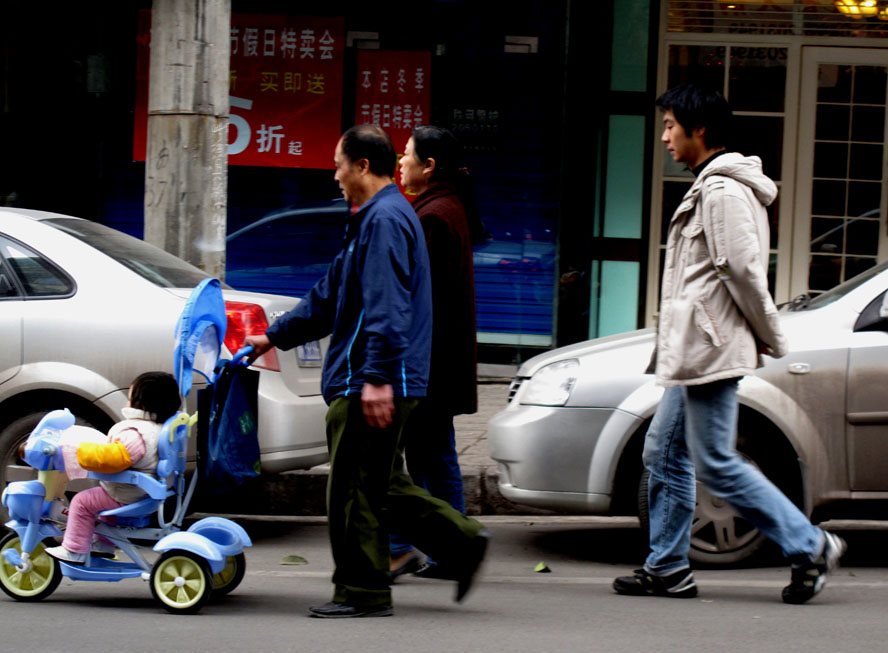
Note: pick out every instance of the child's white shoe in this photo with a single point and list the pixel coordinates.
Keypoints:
(62, 554)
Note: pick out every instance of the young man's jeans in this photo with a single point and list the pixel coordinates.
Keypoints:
(696, 427)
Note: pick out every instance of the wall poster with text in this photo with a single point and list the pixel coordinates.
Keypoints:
(393, 91)
(285, 89)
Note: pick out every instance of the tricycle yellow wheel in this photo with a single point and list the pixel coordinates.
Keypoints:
(181, 581)
(41, 578)
(231, 575)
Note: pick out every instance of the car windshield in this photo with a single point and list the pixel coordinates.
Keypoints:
(149, 262)
(802, 303)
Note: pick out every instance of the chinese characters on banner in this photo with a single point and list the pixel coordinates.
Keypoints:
(285, 90)
(393, 91)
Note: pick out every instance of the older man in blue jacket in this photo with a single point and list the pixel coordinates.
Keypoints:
(375, 303)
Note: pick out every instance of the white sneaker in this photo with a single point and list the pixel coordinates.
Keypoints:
(62, 554)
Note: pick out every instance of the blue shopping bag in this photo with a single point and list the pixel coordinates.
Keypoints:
(228, 445)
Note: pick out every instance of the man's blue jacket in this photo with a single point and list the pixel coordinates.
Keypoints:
(375, 302)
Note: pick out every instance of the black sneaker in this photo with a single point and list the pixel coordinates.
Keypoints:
(810, 577)
(678, 585)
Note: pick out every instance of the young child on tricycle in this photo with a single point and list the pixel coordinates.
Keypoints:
(132, 443)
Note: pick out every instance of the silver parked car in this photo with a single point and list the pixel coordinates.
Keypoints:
(815, 422)
(84, 309)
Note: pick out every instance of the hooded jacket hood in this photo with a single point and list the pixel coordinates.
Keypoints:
(745, 169)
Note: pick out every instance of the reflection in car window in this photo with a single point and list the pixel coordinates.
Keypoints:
(149, 262)
(7, 287)
(37, 275)
(839, 291)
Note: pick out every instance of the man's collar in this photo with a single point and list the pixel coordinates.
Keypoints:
(385, 190)
(700, 167)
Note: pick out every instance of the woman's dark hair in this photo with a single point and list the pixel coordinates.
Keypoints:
(439, 144)
(372, 143)
(156, 392)
(695, 106)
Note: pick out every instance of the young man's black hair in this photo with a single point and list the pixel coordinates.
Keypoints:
(371, 143)
(695, 106)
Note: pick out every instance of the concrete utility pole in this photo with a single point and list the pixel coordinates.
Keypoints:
(186, 167)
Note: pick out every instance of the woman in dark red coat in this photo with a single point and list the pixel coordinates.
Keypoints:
(449, 219)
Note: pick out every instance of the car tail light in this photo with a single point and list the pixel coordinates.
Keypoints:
(248, 320)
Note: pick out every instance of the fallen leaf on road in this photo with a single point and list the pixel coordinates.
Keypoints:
(294, 560)
(542, 568)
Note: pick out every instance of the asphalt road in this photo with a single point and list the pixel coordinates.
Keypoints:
(513, 608)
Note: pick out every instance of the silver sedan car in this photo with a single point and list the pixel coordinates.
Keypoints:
(815, 422)
(84, 309)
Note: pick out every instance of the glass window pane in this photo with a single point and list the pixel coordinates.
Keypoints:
(760, 136)
(704, 65)
(828, 198)
(827, 235)
(869, 84)
(854, 266)
(825, 272)
(38, 276)
(757, 79)
(862, 237)
(868, 124)
(831, 160)
(834, 83)
(7, 287)
(866, 161)
(864, 199)
(832, 122)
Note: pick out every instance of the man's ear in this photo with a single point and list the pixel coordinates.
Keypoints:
(363, 166)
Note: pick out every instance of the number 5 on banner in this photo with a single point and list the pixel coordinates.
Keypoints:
(243, 127)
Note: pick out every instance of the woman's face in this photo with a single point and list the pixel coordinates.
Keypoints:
(414, 175)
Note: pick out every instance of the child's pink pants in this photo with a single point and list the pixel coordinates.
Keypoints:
(82, 513)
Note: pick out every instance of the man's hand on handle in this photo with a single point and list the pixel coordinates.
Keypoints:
(260, 345)
(379, 405)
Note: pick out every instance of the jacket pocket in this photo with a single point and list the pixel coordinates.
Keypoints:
(704, 322)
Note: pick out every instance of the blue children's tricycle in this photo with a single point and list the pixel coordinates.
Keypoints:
(192, 564)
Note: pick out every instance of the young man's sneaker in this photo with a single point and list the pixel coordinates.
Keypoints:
(679, 584)
(62, 554)
(810, 577)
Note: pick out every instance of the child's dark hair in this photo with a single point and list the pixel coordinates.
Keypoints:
(156, 392)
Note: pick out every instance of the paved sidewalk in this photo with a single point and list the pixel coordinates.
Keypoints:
(471, 430)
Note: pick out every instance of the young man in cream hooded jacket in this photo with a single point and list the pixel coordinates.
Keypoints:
(716, 320)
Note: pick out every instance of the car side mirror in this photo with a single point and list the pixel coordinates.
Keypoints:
(875, 316)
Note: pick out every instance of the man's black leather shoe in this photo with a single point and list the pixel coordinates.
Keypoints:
(333, 610)
(465, 575)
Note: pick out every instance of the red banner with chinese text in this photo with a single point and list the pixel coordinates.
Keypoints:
(393, 92)
(285, 90)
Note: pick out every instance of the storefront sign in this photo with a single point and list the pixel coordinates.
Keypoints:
(393, 91)
(285, 90)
